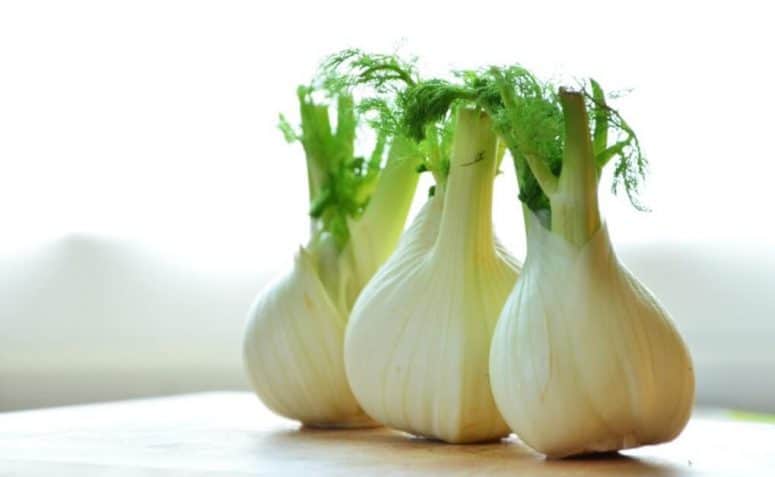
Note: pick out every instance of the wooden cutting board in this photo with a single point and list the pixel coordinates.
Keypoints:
(232, 434)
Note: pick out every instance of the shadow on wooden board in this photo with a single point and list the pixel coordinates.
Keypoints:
(375, 450)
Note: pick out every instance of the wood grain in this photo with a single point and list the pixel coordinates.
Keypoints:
(220, 434)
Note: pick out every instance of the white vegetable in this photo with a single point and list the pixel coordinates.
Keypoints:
(293, 346)
(417, 343)
(293, 349)
(584, 359)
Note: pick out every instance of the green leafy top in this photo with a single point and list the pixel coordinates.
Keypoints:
(362, 89)
(340, 182)
(631, 164)
(528, 116)
(387, 78)
(352, 67)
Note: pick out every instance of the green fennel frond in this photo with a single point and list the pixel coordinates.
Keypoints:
(434, 100)
(528, 117)
(353, 67)
(429, 102)
(631, 165)
(390, 83)
(362, 91)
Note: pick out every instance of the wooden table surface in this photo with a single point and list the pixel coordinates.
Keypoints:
(231, 434)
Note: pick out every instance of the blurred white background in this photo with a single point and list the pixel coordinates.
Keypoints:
(146, 194)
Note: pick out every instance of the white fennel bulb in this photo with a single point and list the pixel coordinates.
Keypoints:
(293, 345)
(418, 338)
(293, 350)
(584, 359)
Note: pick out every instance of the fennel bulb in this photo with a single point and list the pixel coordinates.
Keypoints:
(584, 359)
(418, 339)
(293, 350)
(293, 345)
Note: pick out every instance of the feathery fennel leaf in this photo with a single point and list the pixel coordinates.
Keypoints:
(631, 165)
(353, 67)
(528, 117)
(391, 83)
